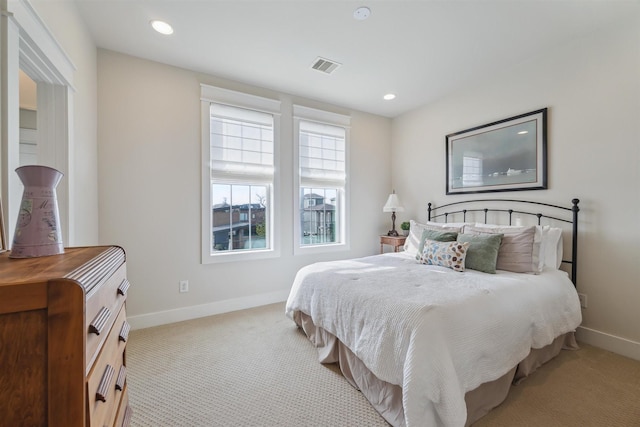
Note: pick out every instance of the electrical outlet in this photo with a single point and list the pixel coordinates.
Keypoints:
(583, 300)
(184, 286)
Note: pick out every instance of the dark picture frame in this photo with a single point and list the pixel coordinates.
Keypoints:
(507, 155)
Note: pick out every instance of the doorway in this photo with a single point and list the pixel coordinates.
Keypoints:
(29, 49)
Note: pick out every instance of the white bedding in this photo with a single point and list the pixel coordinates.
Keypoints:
(436, 333)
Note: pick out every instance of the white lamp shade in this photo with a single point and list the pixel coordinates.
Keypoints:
(393, 204)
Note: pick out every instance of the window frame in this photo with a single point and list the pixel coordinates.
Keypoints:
(211, 94)
(301, 114)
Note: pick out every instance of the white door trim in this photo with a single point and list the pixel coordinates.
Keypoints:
(28, 44)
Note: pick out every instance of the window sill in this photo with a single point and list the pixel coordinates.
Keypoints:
(321, 249)
(243, 256)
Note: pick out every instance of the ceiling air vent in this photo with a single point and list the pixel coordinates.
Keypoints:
(325, 65)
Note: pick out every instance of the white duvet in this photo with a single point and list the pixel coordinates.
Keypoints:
(435, 332)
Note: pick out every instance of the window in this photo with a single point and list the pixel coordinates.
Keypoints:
(239, 147)
(321, 166)
(318, 219)
(232, 205)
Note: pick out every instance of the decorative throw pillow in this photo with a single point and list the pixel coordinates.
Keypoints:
(444, 254)
(519, 251)
(438, 236)
(412, 243)
(482, 254)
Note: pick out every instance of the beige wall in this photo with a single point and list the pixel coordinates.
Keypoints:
(592, 89)
(69, 30)
(150, 168)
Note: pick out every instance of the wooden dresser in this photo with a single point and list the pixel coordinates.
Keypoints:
(63, 333)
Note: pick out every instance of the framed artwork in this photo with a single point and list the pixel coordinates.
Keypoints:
(507, 155)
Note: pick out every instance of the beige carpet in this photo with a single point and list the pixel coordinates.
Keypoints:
(255, 368)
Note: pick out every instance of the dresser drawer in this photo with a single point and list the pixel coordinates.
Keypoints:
(103, 304)
(107, 379)
(123, 417)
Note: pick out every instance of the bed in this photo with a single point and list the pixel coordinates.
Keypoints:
(437, 334)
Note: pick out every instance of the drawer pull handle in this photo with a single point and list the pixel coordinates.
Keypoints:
(124, 287)
(124, 331)
(103, 387)
(122, 376)
(127, 417)
(98, 323)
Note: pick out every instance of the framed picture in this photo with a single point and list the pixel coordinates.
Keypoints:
(507, 155)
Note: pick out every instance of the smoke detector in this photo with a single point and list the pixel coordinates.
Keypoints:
(362, 13)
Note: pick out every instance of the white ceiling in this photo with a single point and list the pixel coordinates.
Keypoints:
(419, 50)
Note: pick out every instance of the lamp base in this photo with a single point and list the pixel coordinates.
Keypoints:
(393, 231)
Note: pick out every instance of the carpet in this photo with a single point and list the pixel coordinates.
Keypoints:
(255, 368)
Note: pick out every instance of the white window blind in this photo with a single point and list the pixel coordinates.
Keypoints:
(322, 154)
(241, 144)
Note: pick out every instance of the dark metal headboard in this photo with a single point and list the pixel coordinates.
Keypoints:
(452, 209)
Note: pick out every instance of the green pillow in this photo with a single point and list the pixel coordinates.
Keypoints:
(438, 236)
(482, 254)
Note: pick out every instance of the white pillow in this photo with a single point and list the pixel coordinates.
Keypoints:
(552, 247)
(412, 244)
(520, 250)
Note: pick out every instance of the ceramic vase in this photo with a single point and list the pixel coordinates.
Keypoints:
(37, 230)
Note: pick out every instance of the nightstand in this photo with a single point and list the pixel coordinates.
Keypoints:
(395, 241)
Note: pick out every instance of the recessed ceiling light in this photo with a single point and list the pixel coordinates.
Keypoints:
(389, 96)
(522, 132)
(362, 13)
(162, 27)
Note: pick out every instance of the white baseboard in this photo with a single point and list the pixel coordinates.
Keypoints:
(609, 342)
(195, 311)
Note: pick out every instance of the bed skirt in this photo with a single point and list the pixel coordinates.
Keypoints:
(386, 398)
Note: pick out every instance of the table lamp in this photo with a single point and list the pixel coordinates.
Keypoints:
(393, 205)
